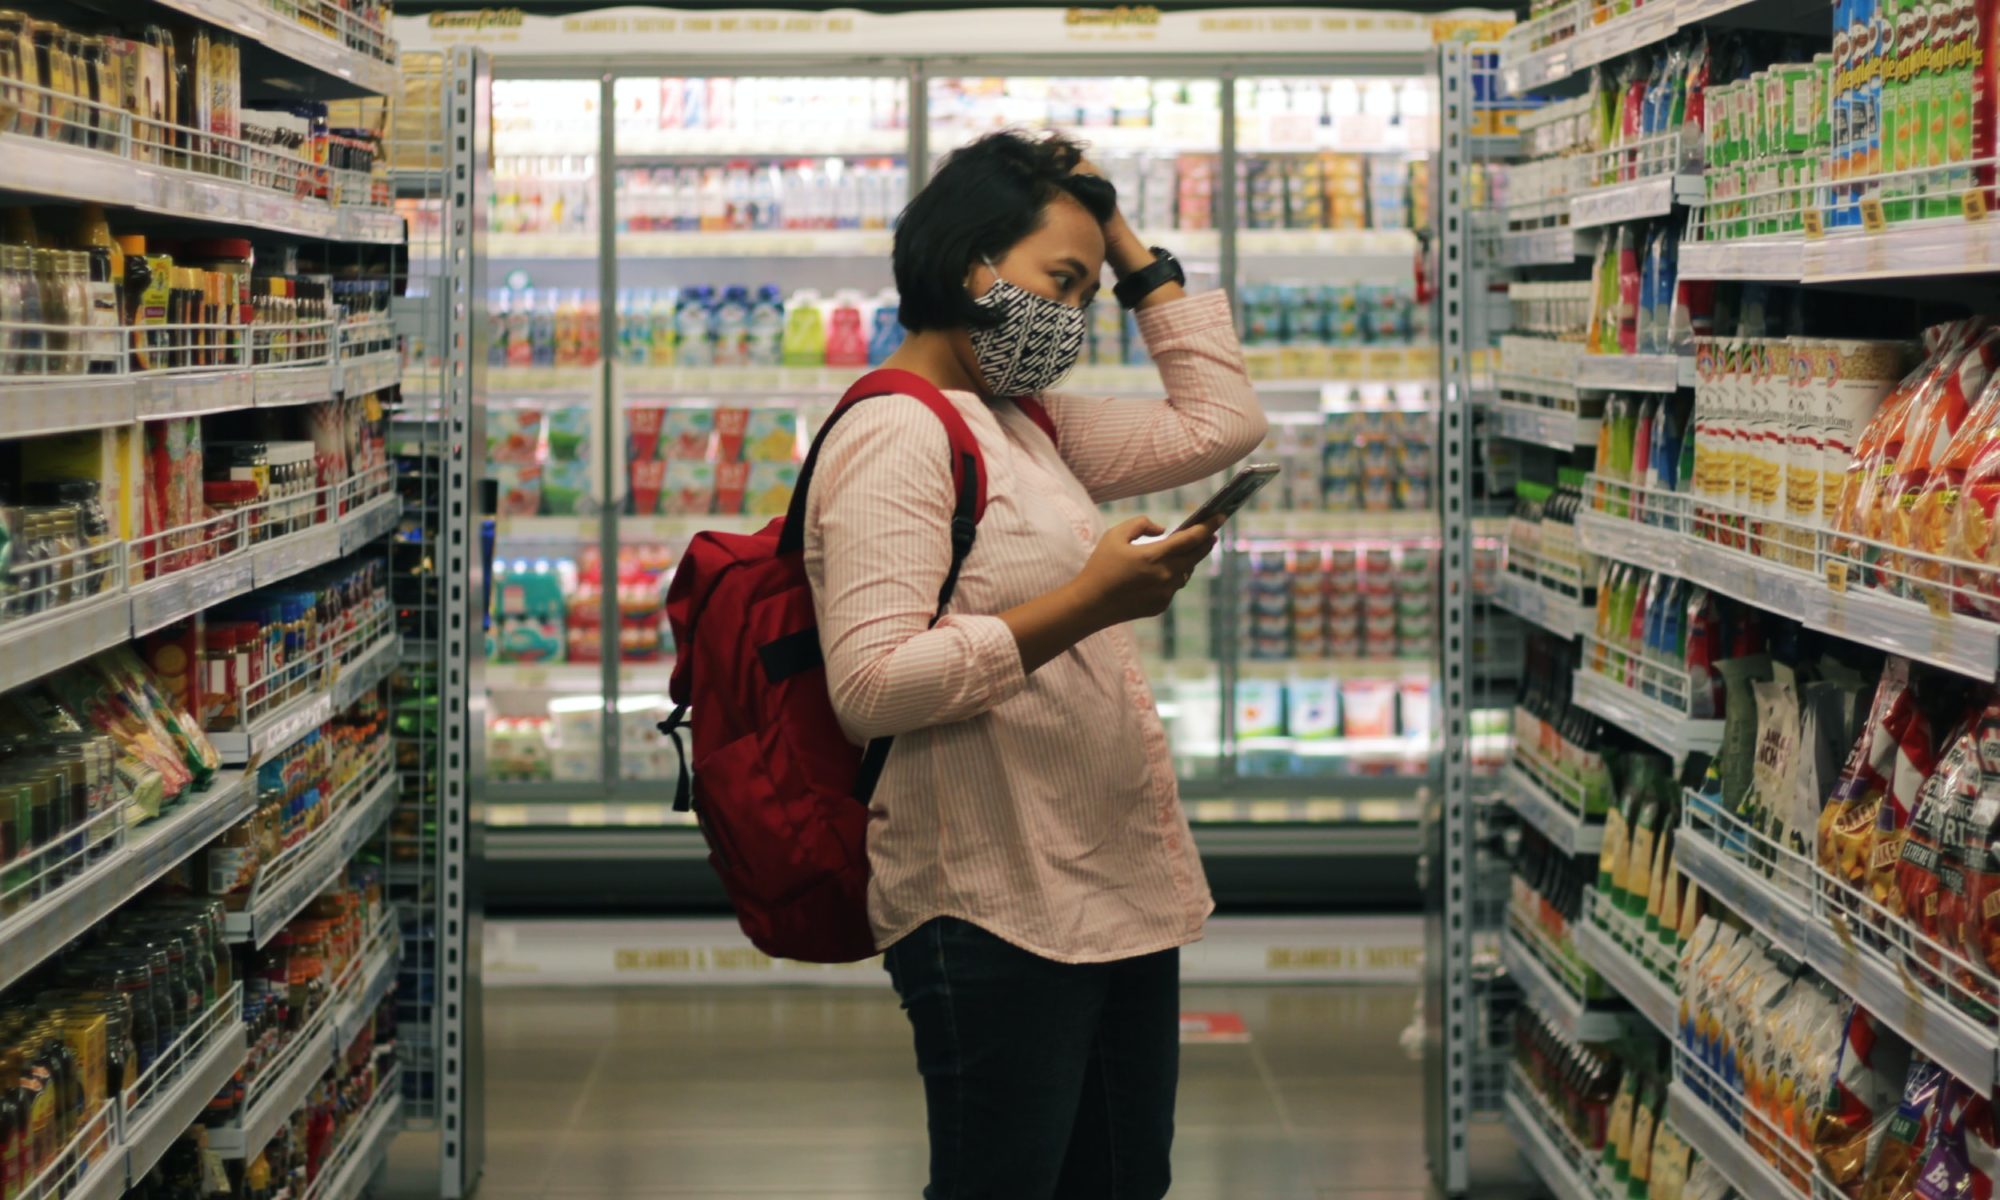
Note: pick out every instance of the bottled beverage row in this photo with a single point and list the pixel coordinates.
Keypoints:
(77, 299)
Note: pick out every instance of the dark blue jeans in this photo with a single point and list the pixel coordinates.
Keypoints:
(1043, 1080)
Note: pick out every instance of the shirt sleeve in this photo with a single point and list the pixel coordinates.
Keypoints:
(882, 495)
(1209, 419)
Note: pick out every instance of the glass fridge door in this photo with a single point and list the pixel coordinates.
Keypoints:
(1159, 140)
(1336, 568)
(545, 677)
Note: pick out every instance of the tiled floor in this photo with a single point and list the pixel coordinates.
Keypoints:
(801, 1094)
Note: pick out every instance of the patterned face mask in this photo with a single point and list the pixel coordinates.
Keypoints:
(1035, 344)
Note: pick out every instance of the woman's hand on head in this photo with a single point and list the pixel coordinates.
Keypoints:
(1129, 580)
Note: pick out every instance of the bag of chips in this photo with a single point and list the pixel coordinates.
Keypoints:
(1957, 771)
(1938, 522)
(1933, 426)
(1880, 444)
(1959, 1161)
(1868, 1077)
(1847, 823)
(1979, 928)
(1893, 1170)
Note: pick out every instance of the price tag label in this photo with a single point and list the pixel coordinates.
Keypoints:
(1975, 205)
(1836, 575)
(1910, 987)
(1939, 602)
(1872, 219)
(1841, 930)
(1815, 223)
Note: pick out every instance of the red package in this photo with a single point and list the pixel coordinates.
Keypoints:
(648, 476)
(1904, 867)
(1928, 435)
(1847, 823)
(174, 655)
(1979, 932)
(1880, 444)
(645, 423)
(730, 424)
(732, 479)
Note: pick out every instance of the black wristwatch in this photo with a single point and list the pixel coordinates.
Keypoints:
(1164, 269)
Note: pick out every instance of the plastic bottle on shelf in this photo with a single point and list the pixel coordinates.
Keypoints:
(520, 330)
(846, 344)
(567, 309)
(887, 332)
(498, 322)
(737, 202)
(691, 326)
(635, 328)
(731, 326)
(805, 330)
(589, 337)
(714, 202)
(765, 210)
(660, 316)
(542, 329)
(765, 342)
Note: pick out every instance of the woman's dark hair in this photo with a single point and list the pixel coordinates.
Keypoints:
(984, 198)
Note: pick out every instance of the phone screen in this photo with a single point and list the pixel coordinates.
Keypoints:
(1233, 495)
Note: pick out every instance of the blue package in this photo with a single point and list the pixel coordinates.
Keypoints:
(886, 336)
(1649, 300)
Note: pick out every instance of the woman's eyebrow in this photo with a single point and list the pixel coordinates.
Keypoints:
(1074, 264)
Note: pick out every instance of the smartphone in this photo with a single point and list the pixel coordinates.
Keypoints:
(1232, 495)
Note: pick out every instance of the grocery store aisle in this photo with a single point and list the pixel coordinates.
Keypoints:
(805, 1093)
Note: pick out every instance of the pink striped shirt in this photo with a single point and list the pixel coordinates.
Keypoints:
(1042, 808)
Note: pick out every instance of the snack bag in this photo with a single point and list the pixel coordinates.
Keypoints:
(1935, 526)
(1880, 443)
(1869, 1071)
(1979, 933)
(1927, 439)
(1959, 1162)
(1957, 771)
(1915, 893)
(1847, 823)
(1893, 1171)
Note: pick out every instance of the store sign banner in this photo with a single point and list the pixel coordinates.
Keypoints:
(573, 953)
(671, 35)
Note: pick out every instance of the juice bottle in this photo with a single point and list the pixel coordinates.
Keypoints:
(731, 326)
(805, 330)
(659, 316)
(846, 344)
(767, 327)
(691, 326)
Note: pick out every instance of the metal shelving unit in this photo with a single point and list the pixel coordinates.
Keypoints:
(354, 519)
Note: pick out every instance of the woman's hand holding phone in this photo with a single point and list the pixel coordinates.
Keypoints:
(1129, 580)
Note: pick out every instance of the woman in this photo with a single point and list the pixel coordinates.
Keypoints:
(1033, 874)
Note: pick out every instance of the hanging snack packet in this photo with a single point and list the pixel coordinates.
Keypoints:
(1880, 443)
(1959, 1161)
(1705, 694)
(1979, 932)
(1737, 759)
(1893, 1171)
(1776, 758)
(1932, 526)
(1847, 823)
(1828, 714)
(1932, 426)
(1868, 1077)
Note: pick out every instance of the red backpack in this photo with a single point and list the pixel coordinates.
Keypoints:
(780, 794)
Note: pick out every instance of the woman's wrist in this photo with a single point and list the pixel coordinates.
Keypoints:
(1123, 249)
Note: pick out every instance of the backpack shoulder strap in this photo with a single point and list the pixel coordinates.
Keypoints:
(1039, 414)
(968, 468)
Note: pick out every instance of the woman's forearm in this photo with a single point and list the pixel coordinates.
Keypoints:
(1051, 623)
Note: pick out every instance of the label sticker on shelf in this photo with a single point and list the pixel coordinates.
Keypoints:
(1815, 225)
(1872, 219)
(1975, 205)
(1836, 575)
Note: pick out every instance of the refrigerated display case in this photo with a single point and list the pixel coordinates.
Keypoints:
(689, 261)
